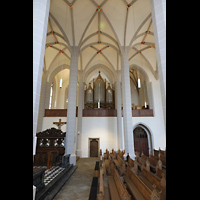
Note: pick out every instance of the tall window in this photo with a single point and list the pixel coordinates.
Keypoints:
(50, 99)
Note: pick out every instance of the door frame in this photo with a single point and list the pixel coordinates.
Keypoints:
(149, 136)
(90, 139)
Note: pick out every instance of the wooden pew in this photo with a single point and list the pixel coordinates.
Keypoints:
(137, 187)
(113, 155)
(117, 188)
(100, 195)
(161, 159)
(121, 153)
(162, 153)
(106, 154)
(130, 162)
(120, 164)
(109, 166)
(151, 179)
(153, 162)
(141, 162)
(160, 172)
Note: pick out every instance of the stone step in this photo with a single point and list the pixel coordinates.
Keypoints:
(54, 185)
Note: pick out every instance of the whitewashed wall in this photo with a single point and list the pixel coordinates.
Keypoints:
(104, 128)
(48, 123)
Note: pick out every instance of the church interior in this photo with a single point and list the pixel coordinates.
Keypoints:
(99, 92)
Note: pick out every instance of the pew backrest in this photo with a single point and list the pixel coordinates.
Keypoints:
(123, 193)
(120, 160)
(130, 162)
(145, 191)
(159, 172)
(152, 178)
(163, 160)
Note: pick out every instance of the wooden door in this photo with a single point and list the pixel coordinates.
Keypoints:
(93, 148)
(141, 141)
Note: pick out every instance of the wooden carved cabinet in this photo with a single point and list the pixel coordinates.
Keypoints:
(50, 147)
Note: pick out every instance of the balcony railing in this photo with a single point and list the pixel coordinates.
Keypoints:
(98, 113)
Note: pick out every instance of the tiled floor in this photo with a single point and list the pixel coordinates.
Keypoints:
(50, 174)
(78, 186)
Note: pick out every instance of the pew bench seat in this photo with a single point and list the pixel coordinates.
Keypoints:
(133, 189)
(107, 163)
(147, 182)
(117, 163)
(114, 195)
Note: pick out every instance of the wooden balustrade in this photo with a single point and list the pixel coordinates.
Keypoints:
(98, 113)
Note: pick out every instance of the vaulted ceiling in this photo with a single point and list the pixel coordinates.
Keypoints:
(100, 28)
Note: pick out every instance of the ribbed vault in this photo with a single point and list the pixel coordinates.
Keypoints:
(100, 28)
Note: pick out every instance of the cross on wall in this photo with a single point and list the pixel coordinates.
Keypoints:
(59, 124)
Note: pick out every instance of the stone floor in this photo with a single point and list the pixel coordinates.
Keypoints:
(78, 186)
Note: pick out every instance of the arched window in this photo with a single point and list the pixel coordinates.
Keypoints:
(51, 94)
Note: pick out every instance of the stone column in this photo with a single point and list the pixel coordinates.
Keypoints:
(150, 95)
(44, 95)
(127, 112)
(158, 10)
(119, 112)
(40, 21)
(71, 110)
(80, 113)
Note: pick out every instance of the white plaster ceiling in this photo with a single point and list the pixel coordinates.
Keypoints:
(108, 27)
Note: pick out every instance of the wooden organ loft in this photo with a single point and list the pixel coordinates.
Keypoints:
(99, 97)
(99, 101)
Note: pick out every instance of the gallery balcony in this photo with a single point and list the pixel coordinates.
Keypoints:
(98, 113)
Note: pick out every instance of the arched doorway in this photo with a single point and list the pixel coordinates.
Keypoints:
(141, 141)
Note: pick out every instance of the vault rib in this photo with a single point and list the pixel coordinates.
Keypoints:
(61, 29)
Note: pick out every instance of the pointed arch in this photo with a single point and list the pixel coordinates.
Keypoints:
(51, 73)
(109, 73)
(149, 135)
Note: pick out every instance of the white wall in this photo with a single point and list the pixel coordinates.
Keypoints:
(48, 123)
(156, 127)
(104, 128)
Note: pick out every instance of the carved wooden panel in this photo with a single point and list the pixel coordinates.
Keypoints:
(50, 139)
(50, 147)
(51, 133)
